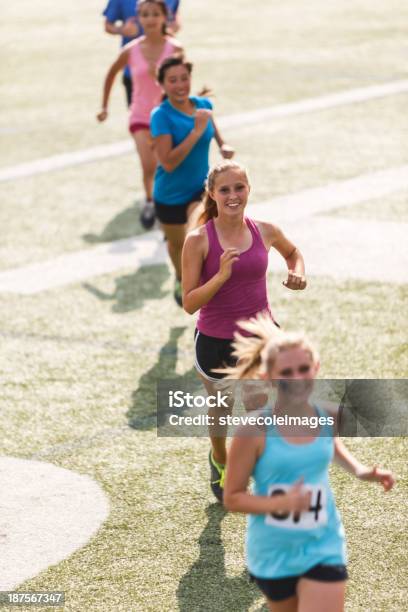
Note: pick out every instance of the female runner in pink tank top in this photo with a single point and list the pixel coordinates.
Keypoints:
(144, 55)
(224, 267)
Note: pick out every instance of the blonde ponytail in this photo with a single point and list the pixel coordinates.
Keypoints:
(257, 353)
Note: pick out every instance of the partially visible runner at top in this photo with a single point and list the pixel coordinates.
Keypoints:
(144, 55)
(121, 20)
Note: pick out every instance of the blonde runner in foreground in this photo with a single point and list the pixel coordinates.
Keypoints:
(295, 544)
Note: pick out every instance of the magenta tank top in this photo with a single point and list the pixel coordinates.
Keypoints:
(146, 91)
(243, 295)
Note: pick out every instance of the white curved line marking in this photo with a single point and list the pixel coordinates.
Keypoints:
(46, 514)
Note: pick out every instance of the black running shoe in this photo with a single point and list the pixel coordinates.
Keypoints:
(217, 477)
(147, 214)
(178, 293)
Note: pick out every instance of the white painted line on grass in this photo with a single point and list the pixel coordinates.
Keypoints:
(81, 265)
(338, 194)
(46, 514)
(65, 160)
(320, 103)
(289, 210)
(347, 249)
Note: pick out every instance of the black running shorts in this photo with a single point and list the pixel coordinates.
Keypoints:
(175, 214)
(278, 589)
(212, 353)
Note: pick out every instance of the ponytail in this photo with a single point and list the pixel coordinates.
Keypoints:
(250, 350)
(210, 210)
(205, 92)
(257, 353)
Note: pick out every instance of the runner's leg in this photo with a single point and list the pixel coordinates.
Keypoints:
(316, 596)
(144, 148)
(175, 235)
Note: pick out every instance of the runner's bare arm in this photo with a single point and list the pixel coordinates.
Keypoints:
(131, 28)
(274, 237)
(245, 450)
(170, 157)
(116, 67)
(194, 253)
(348, 462)
(226, 150)
(112, 28)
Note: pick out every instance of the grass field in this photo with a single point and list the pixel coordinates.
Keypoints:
(79, 364)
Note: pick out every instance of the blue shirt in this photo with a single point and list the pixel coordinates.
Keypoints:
(122, 10)
(289, 545)
(186, 181)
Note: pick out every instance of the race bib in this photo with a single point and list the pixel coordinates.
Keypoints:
(314, 517)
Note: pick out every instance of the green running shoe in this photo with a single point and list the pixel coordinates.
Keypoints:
(178, 294)
(217, 477)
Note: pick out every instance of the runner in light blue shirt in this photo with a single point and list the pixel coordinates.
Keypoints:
(295, 538)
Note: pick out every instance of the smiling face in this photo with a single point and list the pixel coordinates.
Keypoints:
(177, 83)
(152, 17)
(230, 192)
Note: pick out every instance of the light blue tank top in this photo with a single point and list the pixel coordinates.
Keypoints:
(289, 545)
